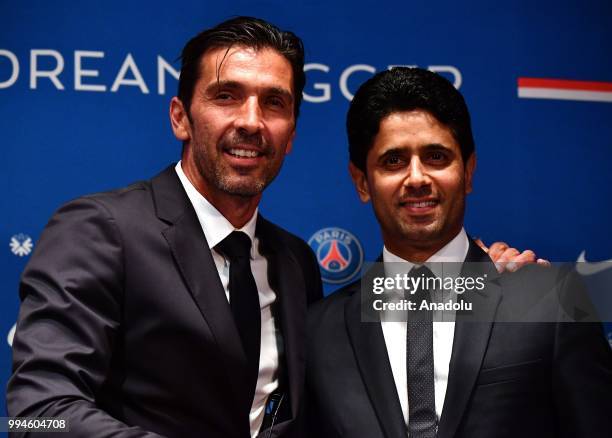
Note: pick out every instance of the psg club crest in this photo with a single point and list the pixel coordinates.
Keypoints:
(339, 254)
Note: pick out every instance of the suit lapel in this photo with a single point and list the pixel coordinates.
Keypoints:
(194, 260)
(470, 341)
(287, 281)
(373, 362)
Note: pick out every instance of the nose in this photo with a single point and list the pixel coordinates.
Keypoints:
(417, 174)
(250, 118)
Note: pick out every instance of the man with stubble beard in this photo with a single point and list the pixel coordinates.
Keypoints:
(171, 307)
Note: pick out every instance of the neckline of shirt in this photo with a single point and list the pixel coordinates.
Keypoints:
(215, 226)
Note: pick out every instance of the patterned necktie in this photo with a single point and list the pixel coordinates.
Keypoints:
(244, 299)
(422, 419)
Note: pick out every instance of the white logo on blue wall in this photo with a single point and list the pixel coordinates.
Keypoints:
(21, 244)
(339, 254)
(610, 339)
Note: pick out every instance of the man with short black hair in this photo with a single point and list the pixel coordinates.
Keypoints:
(474, 371)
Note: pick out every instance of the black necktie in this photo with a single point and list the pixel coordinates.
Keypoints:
(244, 299)
(422, 420)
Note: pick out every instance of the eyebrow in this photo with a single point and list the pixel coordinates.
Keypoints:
(393, 151)
(437, 147)
(235, 85)
(432, 147)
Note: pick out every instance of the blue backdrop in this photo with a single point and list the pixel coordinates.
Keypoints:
(85, 88)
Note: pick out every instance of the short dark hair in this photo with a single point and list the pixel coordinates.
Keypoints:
(242, 31)
(405, 89)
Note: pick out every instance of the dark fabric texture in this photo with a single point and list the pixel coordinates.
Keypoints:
(422, 420)
(125, 329)
(529, 380)
(244, 300)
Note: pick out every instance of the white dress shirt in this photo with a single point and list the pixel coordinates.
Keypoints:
(216, 228)
(443, 332)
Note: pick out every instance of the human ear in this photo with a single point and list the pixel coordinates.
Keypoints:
(361, 182)
(470, 167)
(181, 126)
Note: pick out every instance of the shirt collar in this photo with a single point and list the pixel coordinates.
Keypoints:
(215, 226)
(454, 251)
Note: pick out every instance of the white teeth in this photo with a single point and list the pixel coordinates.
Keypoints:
(422, 204)
(244, 153)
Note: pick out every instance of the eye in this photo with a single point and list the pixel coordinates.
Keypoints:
(437, 157)
(393, 161)
(276, 102)
(223, 96)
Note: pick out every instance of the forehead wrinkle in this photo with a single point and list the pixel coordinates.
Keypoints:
(219, 63)
(225, 55)
(244, 59)
(415, 127)
(410, 149)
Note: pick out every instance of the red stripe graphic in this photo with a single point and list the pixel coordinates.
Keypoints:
(564, 84)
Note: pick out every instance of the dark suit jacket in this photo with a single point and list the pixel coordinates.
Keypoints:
(506, 379)
(124, 327)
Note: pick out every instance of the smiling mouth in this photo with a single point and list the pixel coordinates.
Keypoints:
(244, 153)
(421, 206)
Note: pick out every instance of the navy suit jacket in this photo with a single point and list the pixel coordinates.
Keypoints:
(506, 379)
